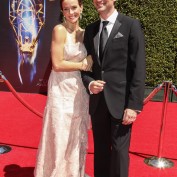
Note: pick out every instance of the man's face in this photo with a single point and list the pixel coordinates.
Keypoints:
(104, 6)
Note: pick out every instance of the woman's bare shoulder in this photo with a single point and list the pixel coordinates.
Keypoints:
(59, 31)
(59, 28)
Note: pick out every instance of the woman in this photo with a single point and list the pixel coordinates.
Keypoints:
(63, 144)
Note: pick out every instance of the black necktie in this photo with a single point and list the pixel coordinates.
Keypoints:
(103, 39)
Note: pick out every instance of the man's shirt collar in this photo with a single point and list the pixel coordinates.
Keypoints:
(112, 18)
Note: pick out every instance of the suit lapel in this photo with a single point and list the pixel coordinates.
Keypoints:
(96, 40)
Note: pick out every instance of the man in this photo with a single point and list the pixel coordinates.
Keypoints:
(116, 86)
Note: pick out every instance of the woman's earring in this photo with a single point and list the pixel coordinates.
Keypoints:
(80, 16)
(64, 19)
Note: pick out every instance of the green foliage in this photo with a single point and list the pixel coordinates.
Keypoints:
(89, 13)
(159, 23)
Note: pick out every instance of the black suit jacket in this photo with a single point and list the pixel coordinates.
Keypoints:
(122, 67)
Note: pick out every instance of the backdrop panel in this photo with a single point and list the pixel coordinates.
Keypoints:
(25, 38)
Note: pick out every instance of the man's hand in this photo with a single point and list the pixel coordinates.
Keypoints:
(129, 116)
(97, 86)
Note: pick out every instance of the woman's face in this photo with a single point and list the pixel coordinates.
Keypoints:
(71, 10)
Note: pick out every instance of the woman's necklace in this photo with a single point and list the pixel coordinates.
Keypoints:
(71, 29)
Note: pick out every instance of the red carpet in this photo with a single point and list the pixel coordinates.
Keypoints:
(20, 129)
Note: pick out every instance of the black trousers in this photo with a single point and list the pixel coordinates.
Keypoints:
(111, 143)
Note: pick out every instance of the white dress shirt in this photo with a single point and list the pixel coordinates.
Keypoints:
(112, 18)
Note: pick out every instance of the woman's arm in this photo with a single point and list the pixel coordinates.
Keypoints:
(57, 53)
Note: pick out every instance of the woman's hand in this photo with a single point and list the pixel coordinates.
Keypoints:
(87, 64)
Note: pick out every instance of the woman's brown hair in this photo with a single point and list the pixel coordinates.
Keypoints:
(61, 1)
